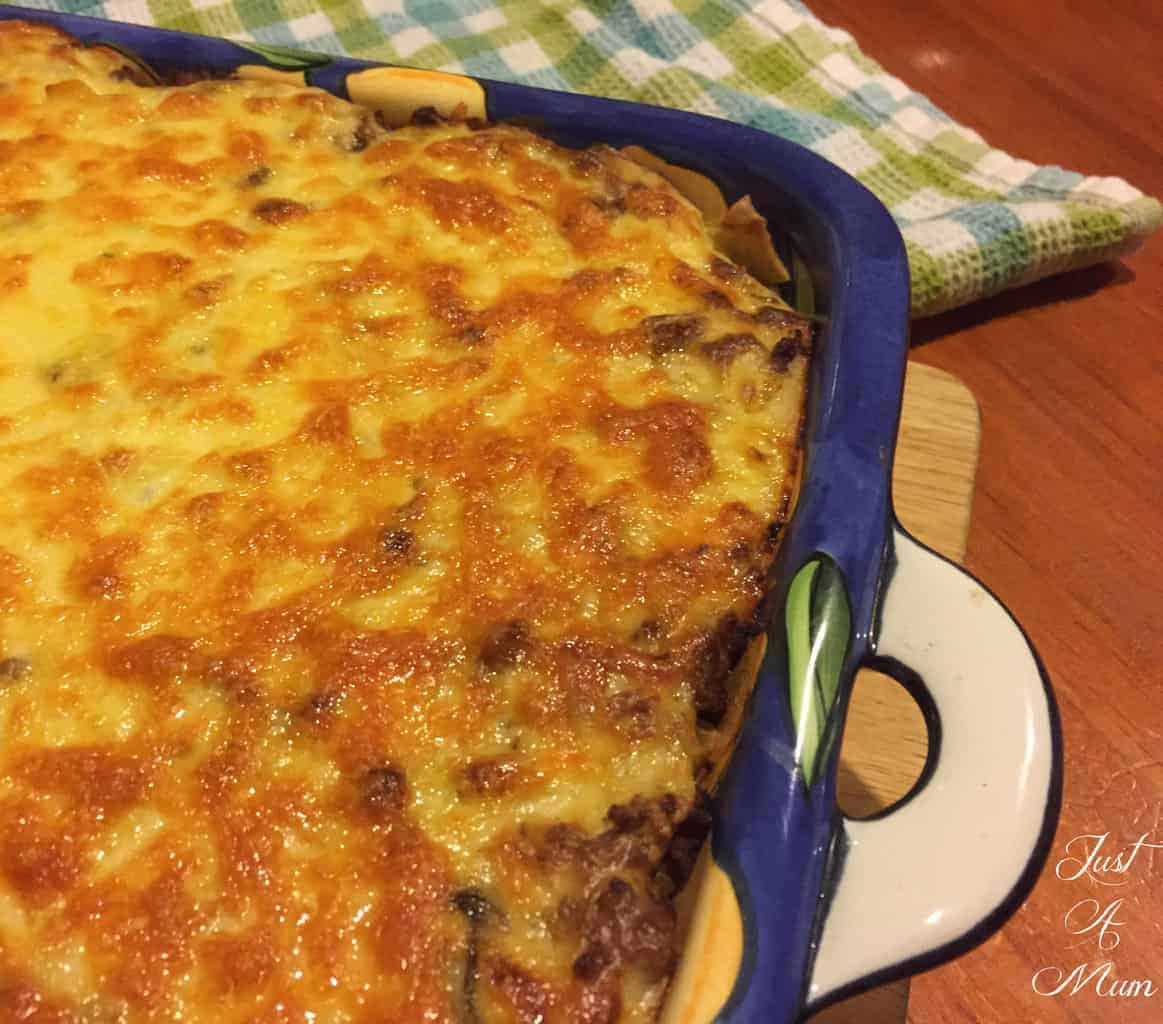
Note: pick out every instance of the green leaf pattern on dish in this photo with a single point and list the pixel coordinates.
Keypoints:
(287, 59)
(819, 624)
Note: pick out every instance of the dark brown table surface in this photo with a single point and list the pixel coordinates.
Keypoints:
(1068, 517)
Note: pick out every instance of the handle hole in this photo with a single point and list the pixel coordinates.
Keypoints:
(885, 746)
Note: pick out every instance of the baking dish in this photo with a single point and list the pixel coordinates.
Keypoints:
(795, 907)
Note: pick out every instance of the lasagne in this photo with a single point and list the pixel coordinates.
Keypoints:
(383, 513)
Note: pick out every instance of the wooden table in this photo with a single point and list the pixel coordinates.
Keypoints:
(1068, 516)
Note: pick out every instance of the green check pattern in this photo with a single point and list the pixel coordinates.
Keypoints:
(975, 220)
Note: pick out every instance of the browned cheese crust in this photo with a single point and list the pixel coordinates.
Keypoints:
(382, 513)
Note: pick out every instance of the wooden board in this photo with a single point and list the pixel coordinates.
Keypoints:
(884, 740)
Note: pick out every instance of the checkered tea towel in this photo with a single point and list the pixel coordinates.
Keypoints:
(975, 220)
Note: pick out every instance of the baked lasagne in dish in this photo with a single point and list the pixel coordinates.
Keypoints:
(383, 514)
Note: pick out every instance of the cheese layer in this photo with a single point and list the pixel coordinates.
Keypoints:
(381, 513)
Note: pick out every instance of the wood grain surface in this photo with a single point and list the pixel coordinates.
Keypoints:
(1068, 514)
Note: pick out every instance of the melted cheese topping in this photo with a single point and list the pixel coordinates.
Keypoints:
(383, 512)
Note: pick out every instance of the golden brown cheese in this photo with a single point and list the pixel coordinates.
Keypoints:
(382, 514)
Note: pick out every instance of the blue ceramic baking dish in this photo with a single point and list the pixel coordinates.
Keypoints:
(795, 906)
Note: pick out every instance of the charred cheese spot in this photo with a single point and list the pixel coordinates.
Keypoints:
(505, 646)
(279, 211)
(492, 776)
(725, 350)
(385, 512)
(14, 669)
(384, 790)
(672, 333)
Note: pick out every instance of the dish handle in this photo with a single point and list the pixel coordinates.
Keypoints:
(944, 868)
